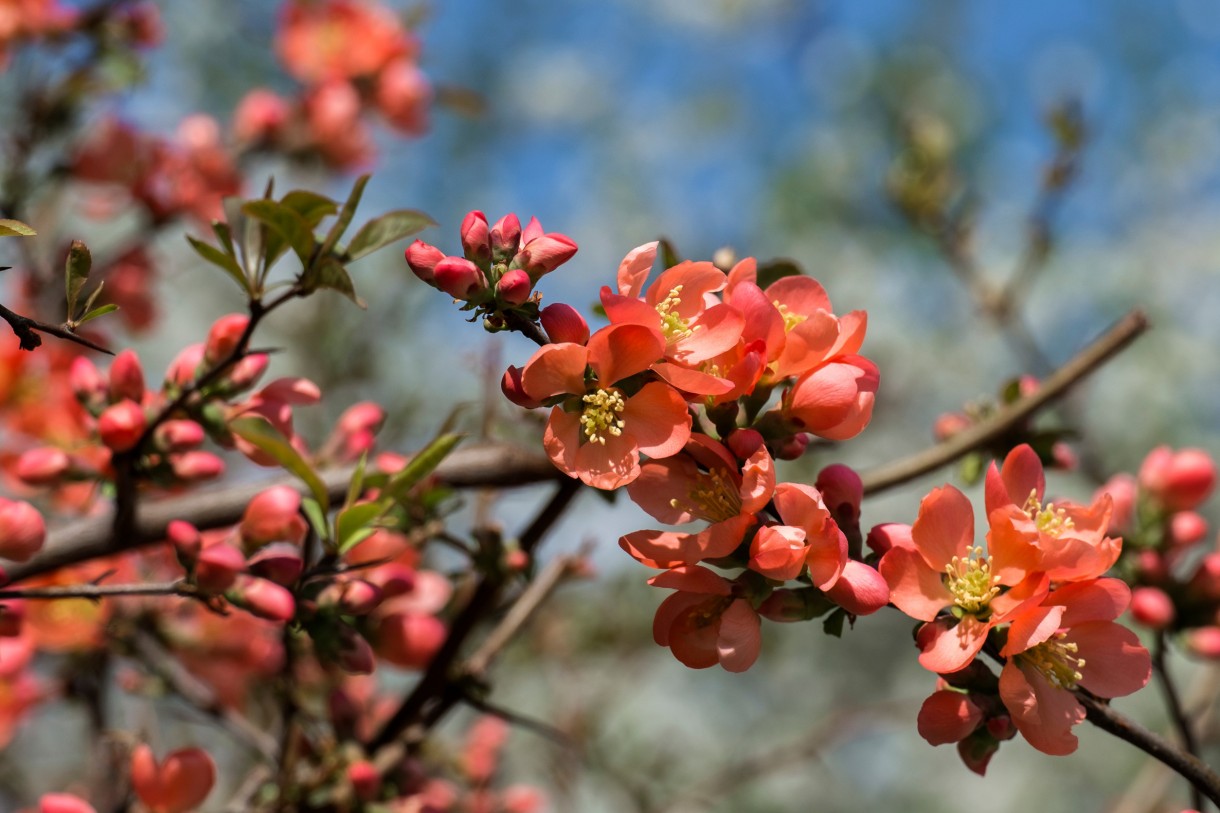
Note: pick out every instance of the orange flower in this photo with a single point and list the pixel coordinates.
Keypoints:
(704, 623)
(605, 417)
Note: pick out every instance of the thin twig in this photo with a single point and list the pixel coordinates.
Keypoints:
(1123, 333)
(97, 592)
(1189, 766)
(1177, 714)
(24, 327)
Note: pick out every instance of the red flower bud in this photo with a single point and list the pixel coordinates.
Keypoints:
(888, 535)
(273, 516)
(365, 780)
(393, 579)
(260, 115)
(544, 254)
(505, 238)
(354, 655)
(180, 783)
(1187, 528)
(86, 382)
(514, 287)
(355, 597)
(422, 259)
(218, 567)
(459, 277)
(1179, 481)
(563, 323)
(22, 530)
(64, 803)
(1205, 642)
(793, 447)
(121, 425)
(476, 238)
(949, 424)
(178, 435)
(186, 540)
(196, 466)
(279, 562)
(409, 640)
(246, 373)
(841, 487)
(262, 598)
(514, 390)
(126, 377)
(1151, 607)
(222, 340)
(185, 365)
(43, 467)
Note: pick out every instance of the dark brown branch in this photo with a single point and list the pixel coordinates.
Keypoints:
(1054, 386)
(493, 465)
(24, 327)
(1189, 766)
(1177, 714)
(96, 592)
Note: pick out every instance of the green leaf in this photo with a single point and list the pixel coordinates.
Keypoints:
(225, 235)
(773, 270)
(96, 312)
(669, 255)
(420, 466)
(356, 486)
(15, 228)
(223, 261)
(390, 227)
(267, 438)
(352, 521)
(316, 517)
(76, 272)
(328, 272)
(311, 206)
(286, 225)
(345, 215)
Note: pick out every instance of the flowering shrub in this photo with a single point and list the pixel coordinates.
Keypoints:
(274, 606)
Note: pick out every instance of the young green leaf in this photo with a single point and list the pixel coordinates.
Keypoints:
(311, 206)
(259, 432)
(287, 227)
(420, 466)
(355, 519)
(317, 519)
(345, 215)
(328, 272)
(15, 228)
(389, 228)
(221, 260)
(76, 272)
(96, 312)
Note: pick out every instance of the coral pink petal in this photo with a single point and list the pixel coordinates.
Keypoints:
(692, 381)
(295, 391)
(627, 310)
(555, 369)
(801, 505)
(693, 640)
(757, 481)
(657, 420)
(722, 538)
(808, 344)
(668, 611)
(826, 557)
(744, 271)
(946, 648)
(740, 637)
(1022, 474)
(1115, 663)
(634, 269)
(716, 331)
(763, 321)
(948, 716)
(620, 351)
(915, 588)
(188, 776)
(696, 278)
(1097, 600)
(692, 579)
(800, 294)
(852, 327)
(860, 590)
(662, 549)
(608, 465)
(944, 527)
(1042, 713)
(1013, 553)
(1031, 627)
(778, 552)
(664, 488)
(561, 439)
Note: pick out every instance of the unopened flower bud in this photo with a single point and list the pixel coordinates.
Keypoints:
(262, 598)
(744, 442)
(272, 516)
(888, 535)
(793, 447)
(22, 530)
(126, 377)
(409, 640)
(196, 466)
(1151, 607)
(842, 490)
(87, 383)
(393, 579)
(544, 254)
(459, 277)
(224, 336)
(354, 597)
(476, 238)
(1151, 566)
(186, 541)
(422, 259)
(218, 567)
(280, 562)
(178, 435)
(12, 617)
(1187, 528)
(1205, 642)
(563, 323)
(1179, 481)
(246, 373)
(514, 287)
(365, 780)
(185, 365)
(63, 803)
(121, 425)
(260, 116)
(45, 466)
(1122, 489)
(354, 654)
(505, 238)
(514, 390)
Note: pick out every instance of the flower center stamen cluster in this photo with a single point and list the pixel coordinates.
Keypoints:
(672, 325)
(601, 415)
(791, 319)
(1050, 520)
(713, 497)
(1056, 659)
(971, 582)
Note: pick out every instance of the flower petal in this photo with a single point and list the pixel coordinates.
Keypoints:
(620, 351)
(555, 369)
(634, 269)
(657, 420)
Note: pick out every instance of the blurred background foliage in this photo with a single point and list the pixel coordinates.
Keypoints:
(777, 128)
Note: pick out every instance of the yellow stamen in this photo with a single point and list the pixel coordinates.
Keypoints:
(791, 319)
(1050, 520)
(971, 582)
(600, 416)
(672, 325)
(1056, 659)
(713, 496)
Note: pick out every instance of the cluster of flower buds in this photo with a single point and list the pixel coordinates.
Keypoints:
(178, 784)
(499, 266)
(1174, 589)
(352, 56)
